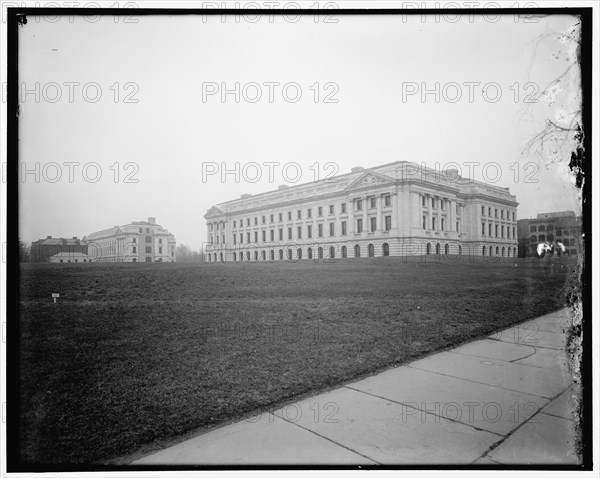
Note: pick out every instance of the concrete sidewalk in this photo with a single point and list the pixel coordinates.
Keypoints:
(508, 399)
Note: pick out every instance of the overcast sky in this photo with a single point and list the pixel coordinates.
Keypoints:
(161, 110)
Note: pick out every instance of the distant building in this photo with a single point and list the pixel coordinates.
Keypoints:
(550, 227)
(42, 250)
(396, 209)
(69, 257)
(140, 241)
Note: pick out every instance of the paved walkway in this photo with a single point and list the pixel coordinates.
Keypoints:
(504, 400)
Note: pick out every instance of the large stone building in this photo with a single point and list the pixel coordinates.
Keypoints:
(140, 241)
(42, 250)
(396, 209)
(550, 227)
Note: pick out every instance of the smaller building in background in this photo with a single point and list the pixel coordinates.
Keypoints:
(551, 228)
(139, 241)
(44, 249)
(69, 257)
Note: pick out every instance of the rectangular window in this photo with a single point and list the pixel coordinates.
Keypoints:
(280, 217)
(332, 229)
(320, 211)
(456, 226)
(264, 220)
(388, 223)
(299, 232)
(483, 228)
(359, 204)
(148, 230)
(309, 212)
(289, 215)
(387, 200)
(496, 213)
(502, 213)
(248, 237)
(210, 228)
(513, 231)
(299, 214)
(496, 230)
(135, 250)
(433, 201)
(272, 219)
(309, 232)
(344, 232)
(433, 223)
(255, 236)
(160, 250)
(359, 225)
(490, 230)
(373, 203)
(149, 248)
(490, 213)
(160, 241)
(289, 232)
(502, 231)
(424, 222)
(256, 221)
(331, 209)
(234, 224)
(320, 230)
(148, 239)
(373, 224)
(272, 235)
(134, 240)
(241, 237)
(248, 222)
(442, 223)
(513, 216)
(423, 201)
(483, 210)
(217, 237)
(281, 234)
(343, 208)
(264, 236)
(443, 204)
(234, 239)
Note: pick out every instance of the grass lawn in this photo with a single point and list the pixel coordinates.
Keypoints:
(133, 355)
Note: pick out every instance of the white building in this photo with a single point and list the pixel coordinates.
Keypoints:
(395, 209)
(140, 241)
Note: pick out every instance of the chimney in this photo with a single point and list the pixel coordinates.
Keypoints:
(357, 169)
(452, 175)
(152, 220)
(49, 237)
(74, 237)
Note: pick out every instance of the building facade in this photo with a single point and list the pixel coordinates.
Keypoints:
(44, 249)
(396, 209)
(140, 241)
(550, 227)
(69, 257)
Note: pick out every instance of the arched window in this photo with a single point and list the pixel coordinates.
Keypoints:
(320, 253)
(272, 254)
(541, 228)
(446, 249)
(209, 258)
(356, 250)
(502, 251)
(483, 251)
(542, 237)
(299, 252)
(290, 254)
(386, 249)
(371, 250)
(532, 229)
(234, 257)
(248, 255)
(241, 256)
(280, 254)
(221, 256)
(255, 255)
(344, 252)
(491, 249)
(514, 252)
(437, 248)
(508, 252)
(309, 252)
(532, 238)
(428, 248)
(332, 252)
(263, 255)
(497, 250)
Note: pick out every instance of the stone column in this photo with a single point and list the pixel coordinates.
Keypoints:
(365, 202)
(379, 214)
(395, 214)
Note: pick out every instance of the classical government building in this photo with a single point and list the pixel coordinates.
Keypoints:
(397, 209)
(139, 241)
(552, 228)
